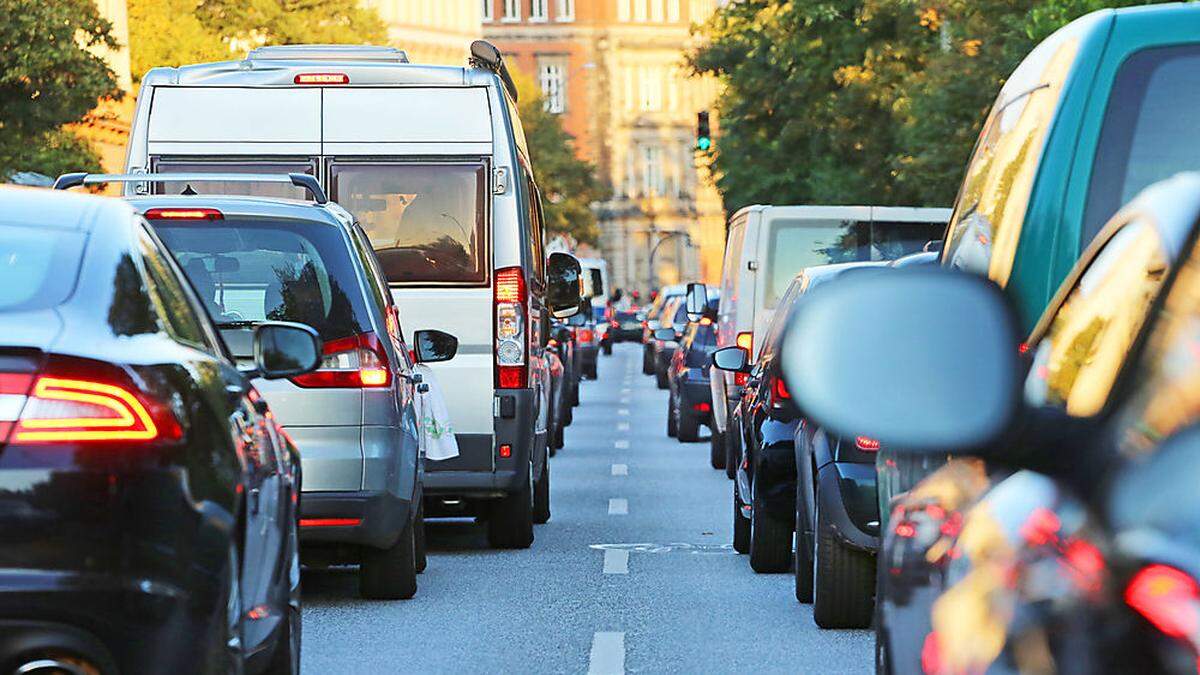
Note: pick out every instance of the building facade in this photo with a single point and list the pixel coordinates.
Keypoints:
(431, 31)
(614, 70)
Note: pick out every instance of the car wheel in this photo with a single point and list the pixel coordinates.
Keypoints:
(804, 562)
(557, 442)
(607, 347)
(883, 657)
(541, 496)
(843, 579)
(687, 426)
(647, 361)
(572, 399)
(733, 453)
(770, 539)
(660, 378)
(510, 524)
(390, 573)
(716, 449)
(419, 538)
(741, 525)
(672, 421)
(591, 372)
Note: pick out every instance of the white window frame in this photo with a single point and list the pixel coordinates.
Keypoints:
(488, 11)
(539, 10)
(653, 178)
(641, 11)
(552, 78)
(673, 11)
(623, 12)
(650, 89)
(512, 11)
(566, 11)
(657, 11)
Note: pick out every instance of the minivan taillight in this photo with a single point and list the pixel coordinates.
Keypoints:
(744, 340)
(511, 336)
(354, 362)
(78, 402)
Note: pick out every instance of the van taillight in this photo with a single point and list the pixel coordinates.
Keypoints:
(183, 214)
(82, 402)
(321, 78)
(355, 362)
(746, 341)
(511, 337)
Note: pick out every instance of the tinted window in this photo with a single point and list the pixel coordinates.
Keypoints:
(731, 270)
(1149, 130)
(257, 270)
(234, 188)
(170, 300)
(994, 197)
(425, 221)
(38, 266)
(1078, 360)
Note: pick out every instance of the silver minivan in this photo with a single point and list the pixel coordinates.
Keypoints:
(433, 163)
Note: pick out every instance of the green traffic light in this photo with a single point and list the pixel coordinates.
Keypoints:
(704, 143)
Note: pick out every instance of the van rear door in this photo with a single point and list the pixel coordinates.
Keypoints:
(207, 121)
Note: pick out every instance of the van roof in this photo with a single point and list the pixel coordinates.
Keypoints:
(328, 52)
(245, 206)
(280, 66)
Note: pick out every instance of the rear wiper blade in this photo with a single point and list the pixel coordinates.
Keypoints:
(237, 324)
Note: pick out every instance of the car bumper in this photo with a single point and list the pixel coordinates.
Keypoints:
(479, 471)
(365, 518)
(848, 499)
(693, 392)
(626, 335)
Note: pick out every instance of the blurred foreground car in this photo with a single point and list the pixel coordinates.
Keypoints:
(1083, 559)
(148, 499)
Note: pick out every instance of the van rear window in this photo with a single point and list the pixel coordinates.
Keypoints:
(425, 221)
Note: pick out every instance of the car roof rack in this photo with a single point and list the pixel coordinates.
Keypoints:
(485, 55)
(303, 180)
(328, 53)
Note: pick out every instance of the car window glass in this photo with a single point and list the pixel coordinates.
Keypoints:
(990, 211)
(1149, 131)
(1086, 343)
(536, 226)
(175, 309)
(733, 262)
(234, 187)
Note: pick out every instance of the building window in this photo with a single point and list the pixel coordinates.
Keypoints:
(652, 171)
(512, 10)
(537, 10)
(623, 10)
(656, 11)
(552, 76)
(640, 10)
(650, 89)
(566, 10)
(673, 11)
(488, 8)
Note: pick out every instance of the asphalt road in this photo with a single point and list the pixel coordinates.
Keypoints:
(633, 573)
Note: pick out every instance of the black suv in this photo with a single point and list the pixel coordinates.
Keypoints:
(689, 404)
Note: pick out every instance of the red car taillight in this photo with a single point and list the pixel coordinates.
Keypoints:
(511, 338)
(1168, 598)
(586, 335)
(866, 444)
(355, 362)
(82, 402)
(780, 390)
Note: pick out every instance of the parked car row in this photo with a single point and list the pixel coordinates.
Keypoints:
(227, 374)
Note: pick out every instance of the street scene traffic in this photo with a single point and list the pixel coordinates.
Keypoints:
(566, 336)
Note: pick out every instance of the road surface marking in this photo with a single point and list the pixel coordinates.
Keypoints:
(625, 399)
(623, 411)
(621, 445)
(620, 469)
(626, 390)
(608, 654)
(616, 561)
(618, 507)
(623, 426)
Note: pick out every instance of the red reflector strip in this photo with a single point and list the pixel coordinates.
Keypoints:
(184, 214)
(330, 522)
(505, 451)
(321, 78)
(511, 377)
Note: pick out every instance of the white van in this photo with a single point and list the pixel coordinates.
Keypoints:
(768, 245)
(432, 161)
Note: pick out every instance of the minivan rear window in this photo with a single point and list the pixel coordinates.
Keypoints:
(425, 221)
(796, 244)
(38, 266)
(251, 270)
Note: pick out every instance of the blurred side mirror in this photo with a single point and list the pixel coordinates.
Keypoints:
(563, 276)
(731, 359)
(664, 334)
(284, 349)
(697, 301)
(941, 373)
(433, 346)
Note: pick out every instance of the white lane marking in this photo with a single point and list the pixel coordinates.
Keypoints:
(626, 390)
(623, 426)
(608, 654)
(625, 400)
(623, 411)
(618, 507)
(621, 445)
(616, 561)
(620, 469)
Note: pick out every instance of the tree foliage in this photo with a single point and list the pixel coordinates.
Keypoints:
(282, 22)
(862, 101)
(168, 33)
(568, 184)
(48, 78)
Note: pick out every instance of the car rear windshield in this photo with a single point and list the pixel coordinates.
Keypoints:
(38, 266)
(252, 270)
(796, 244)
(426, 221)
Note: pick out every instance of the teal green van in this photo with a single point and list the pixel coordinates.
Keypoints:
(1099, 110)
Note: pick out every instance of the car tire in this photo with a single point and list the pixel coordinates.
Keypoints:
(804, 561)
(716, 450)
(390, 573)
(557, 443)
(672, 421)
(541, 496)
(883, 656)
(770, 538)
(647, 361)
(660, 378)
(732, 453)
(510, 524)
(591, 372)
(572, 400)
(741, 526)
(843, 580)
(419, 541)
(687, 427)
(285, 660)
(607, 348)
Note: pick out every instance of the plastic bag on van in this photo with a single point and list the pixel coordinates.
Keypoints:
(437, 431)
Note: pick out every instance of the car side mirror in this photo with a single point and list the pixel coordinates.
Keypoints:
(732, 359)
(284, 349)
(433, 346)
(563, 290)
(940, 374)
(697, 301)
(664, 334)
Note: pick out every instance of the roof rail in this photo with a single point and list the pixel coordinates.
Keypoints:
(328, 53)
(303, 180)
(485, 55)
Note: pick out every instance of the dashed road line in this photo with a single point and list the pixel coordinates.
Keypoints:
(621, 445)
(620, 469)
(623, 411)
(618, 507)
(608, 654)
(616, 561)
(623, 426)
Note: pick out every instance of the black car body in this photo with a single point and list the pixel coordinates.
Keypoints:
(586, 341)
(625, 326)
(653, 321)
(673, 317)
(148, 505)
(689, 403)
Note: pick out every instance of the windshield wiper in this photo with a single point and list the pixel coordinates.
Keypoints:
(237, 324)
